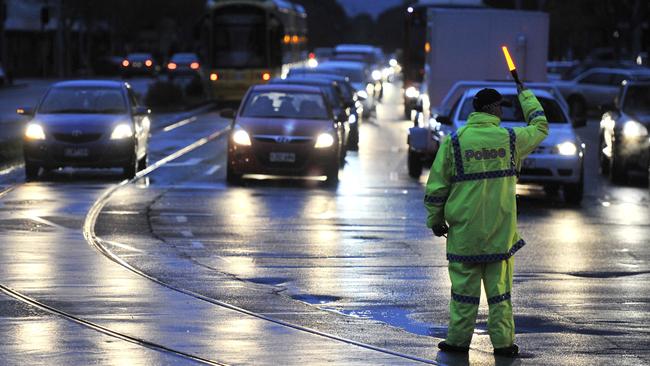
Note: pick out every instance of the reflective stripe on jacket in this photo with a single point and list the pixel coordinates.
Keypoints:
(473, 179)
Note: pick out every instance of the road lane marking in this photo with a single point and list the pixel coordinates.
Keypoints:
(123, 246)
(179, 124)
(46, 222)
(213, 170)
(93, 240)
(189, 162)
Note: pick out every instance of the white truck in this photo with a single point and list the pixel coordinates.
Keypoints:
(465, 44)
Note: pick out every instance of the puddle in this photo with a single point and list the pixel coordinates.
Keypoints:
(272, 281)
(396, 317)
(315, 299)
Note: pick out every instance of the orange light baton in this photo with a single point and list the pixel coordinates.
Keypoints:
(511, 64)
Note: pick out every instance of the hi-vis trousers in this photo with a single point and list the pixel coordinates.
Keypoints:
(465, 294)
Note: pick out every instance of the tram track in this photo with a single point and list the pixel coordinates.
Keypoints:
(98, 244)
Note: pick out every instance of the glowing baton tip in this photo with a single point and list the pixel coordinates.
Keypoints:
(511, 64)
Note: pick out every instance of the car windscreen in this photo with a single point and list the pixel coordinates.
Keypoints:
(184, 58)
(552, 110)
(637, 100)
(84, 100)
(279, 104)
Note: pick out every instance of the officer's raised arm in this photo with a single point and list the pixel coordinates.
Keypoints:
(528, 138)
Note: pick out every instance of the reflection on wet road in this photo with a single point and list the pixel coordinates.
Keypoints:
(355, 262)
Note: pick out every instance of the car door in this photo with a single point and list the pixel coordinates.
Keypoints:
(596, 88)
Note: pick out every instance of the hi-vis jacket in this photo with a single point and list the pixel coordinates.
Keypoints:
(472, 183)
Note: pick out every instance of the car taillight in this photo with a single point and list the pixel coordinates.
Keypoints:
(148, 63)
(214, 76)
(171, 66)
(125, 63)
(266, 76)
(194, 65)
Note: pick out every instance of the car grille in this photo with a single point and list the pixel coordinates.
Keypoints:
(282, 139)
(77, 138)
(542, 150)
(536, 171)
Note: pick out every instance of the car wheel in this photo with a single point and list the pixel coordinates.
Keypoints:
(332, 176)
(414, 164)
(142, 163)
(574, 192)
(129, 170)
(232, 177)
(577, 107)
(551, 190)
(31, 171)
(353, 139)
(617, 172)
(602, 158)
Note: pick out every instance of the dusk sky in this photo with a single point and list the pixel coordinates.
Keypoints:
(373, 7)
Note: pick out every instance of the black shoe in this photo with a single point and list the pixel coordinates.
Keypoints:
(446, 347)
(511, 351)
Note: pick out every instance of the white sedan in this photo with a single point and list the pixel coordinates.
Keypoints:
(557, 162)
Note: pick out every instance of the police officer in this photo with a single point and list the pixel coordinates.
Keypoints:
(471, 188)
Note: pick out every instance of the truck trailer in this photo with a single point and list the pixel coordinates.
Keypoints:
(465, 44)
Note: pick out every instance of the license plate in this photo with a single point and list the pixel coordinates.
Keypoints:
(282, 157)
(137, 64)
(528, 163)
(75, 152)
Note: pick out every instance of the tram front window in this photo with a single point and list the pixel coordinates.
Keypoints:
(239, 40)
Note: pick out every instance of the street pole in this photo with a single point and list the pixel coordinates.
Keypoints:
(3, 41)
(60, 59)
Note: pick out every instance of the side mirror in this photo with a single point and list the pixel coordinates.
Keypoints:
(25, 111)
(141, 111)
(227, 113)
(445, 120)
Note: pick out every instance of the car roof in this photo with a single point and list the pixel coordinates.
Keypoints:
(303, 80)
(512, 91)
(621, 70)
(288, 88)
(139, 54)
(342, 64)
(90, 83)
(355, 48)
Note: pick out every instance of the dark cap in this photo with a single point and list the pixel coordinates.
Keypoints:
(488, 96)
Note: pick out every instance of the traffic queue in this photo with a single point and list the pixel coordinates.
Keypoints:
(305, 122)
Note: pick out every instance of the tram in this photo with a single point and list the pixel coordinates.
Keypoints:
(249, 42)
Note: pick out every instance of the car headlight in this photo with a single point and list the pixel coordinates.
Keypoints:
(634, 129)
(376, 75)
(567, 148)
(362, 94)
(241, 137)
(34, 132)
(312, 62)
(122, 131)
(411, 92)
(352, 119)
(324, 140)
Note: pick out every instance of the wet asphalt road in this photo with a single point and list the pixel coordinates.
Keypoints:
(354, 262)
